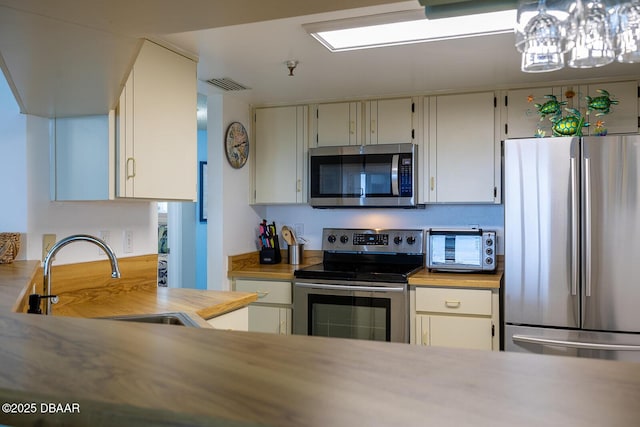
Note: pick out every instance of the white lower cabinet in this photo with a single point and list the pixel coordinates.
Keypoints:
(272, 312)
(272, 320)
(456, 317)
(237, 320)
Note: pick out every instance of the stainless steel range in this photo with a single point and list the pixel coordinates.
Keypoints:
(360, 289)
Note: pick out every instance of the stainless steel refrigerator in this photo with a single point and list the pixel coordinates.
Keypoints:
(572, 246)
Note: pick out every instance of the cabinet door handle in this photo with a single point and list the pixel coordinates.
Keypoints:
(433, 183)
(373, 126)
(131, 171)
(299, 185)
(424, 338)
(282, 329)
(452, 303)
(352, 127)
(262, 294)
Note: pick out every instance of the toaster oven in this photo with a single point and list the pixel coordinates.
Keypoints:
(464, 250)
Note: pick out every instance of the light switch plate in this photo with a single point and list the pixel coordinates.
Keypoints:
(105, 236)
(127, 241)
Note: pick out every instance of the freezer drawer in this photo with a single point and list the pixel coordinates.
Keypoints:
(565, 342)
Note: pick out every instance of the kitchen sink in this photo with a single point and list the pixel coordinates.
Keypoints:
(176, 318)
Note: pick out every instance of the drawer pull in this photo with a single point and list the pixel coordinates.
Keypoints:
(452, 304)
(262, 294)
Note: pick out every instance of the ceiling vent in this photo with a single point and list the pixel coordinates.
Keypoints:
(227, 84)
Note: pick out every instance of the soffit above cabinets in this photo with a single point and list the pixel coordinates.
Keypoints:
(59, 69)
(71, 57)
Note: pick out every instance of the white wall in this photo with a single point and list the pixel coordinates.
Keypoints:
(232, 223)
(490, 217)
(13, 163)
(66, 218)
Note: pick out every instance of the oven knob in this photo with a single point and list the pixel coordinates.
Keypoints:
(344, 238)
(411, 240)
(489, 251)
(489, 260)
(331, 238)
(397, 240)
(489, 242)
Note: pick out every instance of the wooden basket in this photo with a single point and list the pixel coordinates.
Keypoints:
(9, 247)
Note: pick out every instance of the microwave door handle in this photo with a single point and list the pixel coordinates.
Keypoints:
(395, 163)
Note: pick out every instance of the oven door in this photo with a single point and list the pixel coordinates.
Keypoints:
(376, 312)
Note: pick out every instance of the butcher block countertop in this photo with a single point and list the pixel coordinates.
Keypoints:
(462, 280)
(103, 372)
(247, 266)
(204, 304)
(86, 290)
(136, 374)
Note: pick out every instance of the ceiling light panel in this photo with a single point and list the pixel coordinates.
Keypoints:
(406, 28)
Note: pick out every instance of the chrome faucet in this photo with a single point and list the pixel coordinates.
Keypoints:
(115, 270)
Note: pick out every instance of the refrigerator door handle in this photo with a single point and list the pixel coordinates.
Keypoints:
(587, 220)
(574, 227)
(574, 344)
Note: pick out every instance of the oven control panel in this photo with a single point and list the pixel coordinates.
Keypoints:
(373, 240)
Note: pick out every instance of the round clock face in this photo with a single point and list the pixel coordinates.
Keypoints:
(237, 145)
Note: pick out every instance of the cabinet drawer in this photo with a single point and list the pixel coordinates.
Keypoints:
(449, 300)
(268, 292)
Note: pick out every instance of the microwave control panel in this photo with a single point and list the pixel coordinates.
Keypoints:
(405, 173)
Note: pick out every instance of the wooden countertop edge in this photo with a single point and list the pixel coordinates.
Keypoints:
(224, 308)
(22, 299)
(457, 280)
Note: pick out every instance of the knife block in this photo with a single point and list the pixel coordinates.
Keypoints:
(271, 255)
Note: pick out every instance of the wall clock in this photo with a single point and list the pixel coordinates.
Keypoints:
(237, 145)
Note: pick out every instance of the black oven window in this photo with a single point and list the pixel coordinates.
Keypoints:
(338, 316)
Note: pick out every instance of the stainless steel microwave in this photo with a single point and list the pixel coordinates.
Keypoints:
(461, 250)
(363, 176)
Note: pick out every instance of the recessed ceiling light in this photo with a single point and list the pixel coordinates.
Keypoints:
(406, 27)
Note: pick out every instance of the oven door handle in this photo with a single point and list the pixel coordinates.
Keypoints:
(349, 288)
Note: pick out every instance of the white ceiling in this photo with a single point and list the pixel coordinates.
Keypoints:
(71, 56)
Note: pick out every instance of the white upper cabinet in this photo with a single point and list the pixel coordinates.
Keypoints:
(281, 137)
(623, 114)
(464, 153)
(157, 127)
(338, 123)
(522, 117)
(389, 121)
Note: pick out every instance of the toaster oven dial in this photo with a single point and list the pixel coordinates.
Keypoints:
(489, 251)
(344, 238)
(489, 242)
(397, 240)
(411, 240)
(488, 260)
(331, 238)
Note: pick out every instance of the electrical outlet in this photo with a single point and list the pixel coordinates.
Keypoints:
(127, 240)
(105, 236)
(48, 240)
